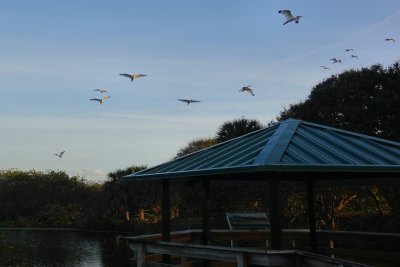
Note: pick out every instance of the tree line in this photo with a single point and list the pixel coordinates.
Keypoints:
(365, 101)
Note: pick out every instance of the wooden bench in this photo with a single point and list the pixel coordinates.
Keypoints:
(248, 221)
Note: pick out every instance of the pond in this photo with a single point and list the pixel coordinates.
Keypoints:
(70, 248)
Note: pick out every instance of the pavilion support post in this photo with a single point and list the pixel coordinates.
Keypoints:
(206, 211)
(311, 215)
(166, 215)
(275, 215)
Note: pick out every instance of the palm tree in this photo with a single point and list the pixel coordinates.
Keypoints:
(235, 128)
(196, 145)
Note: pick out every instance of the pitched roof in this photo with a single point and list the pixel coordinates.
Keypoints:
(289, 146)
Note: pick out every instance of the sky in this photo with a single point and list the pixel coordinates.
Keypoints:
(53, 54)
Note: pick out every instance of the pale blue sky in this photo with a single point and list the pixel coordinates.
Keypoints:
(54, 53)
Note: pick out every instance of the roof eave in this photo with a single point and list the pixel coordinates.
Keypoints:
(275, 168)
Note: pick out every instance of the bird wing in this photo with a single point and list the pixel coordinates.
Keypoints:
(184, 100)
(194, 101)
(126, 75)
(107, 96)
(247, 89)
(62, 153)
(288, 15)
(98, 90)
(96, 99)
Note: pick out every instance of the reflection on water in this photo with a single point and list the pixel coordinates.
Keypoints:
(70, 248)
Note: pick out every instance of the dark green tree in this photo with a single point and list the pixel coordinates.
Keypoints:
(196, 145)
(31, 198)
(365, 101)
(120, 198)
(236, 128)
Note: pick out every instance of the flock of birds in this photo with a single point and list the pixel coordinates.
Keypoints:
(352, 55)
(289, 18)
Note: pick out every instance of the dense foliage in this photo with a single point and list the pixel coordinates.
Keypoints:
(45, 199)
(236, 128)
(365, 101)
(196, 145)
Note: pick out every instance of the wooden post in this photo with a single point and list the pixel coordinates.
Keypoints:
(166, 215)
(139, 255)
(311, 215)
(206, 211)
(275, 215)
(241, 260)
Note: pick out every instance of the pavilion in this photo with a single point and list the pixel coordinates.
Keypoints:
(292, 150)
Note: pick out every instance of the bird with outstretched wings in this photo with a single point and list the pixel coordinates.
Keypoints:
(60, 154)
(247, 89)
(188, 101)
(100, 100)
(132, 76)
(289, 17)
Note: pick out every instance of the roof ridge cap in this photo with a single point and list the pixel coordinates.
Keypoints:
(278, 143)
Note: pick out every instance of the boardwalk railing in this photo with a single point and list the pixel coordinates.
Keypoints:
(359, 246)
(186, 254)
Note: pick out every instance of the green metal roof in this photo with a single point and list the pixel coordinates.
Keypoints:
(289, 146)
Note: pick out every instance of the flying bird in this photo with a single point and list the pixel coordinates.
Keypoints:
(188, 101)
(349, 49)
(100, 90)
(132, 76)
(247, 89)
(325, 68)
(61, 154)
(289, 17)
(334, 60)
(354, 56)
(101, 100)
(390, 39)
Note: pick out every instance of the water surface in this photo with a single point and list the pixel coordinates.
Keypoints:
(70, 248)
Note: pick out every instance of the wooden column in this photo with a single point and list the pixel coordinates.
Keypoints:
(275, 215)
(206, 211)
(311, 215)
(166, 215)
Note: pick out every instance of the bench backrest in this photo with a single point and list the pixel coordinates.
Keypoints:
(247, 220)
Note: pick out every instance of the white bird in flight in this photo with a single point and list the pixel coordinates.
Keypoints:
(334, 60)
(188, 101)
(132, 76)
(289, 17)
(354, 56)
(349, 49)
(247, 89)
(100, 90)
(101, 100)
(325, 68)
(61, 154)
(390, 39)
